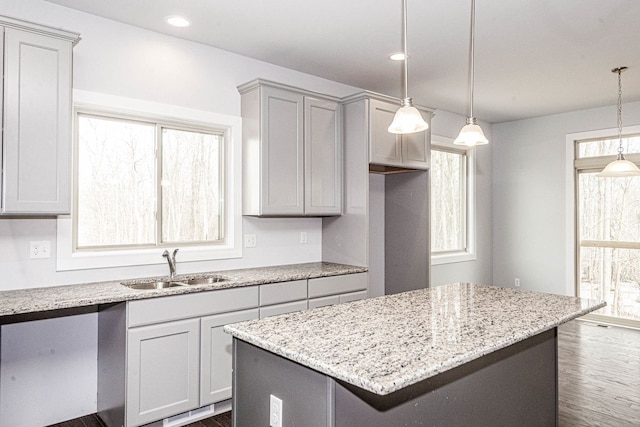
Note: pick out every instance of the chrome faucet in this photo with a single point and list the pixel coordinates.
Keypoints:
(171, 259)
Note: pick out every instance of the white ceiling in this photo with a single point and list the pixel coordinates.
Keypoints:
(533, 57)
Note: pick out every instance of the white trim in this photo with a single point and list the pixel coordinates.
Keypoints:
(68, 260)
(470, 253)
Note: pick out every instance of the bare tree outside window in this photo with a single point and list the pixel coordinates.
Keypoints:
(448, 200)
(140, 184)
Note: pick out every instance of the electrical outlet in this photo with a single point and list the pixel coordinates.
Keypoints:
(275, 411)
(249, 240)
(40, 249)
(516, 282)
(303, 237)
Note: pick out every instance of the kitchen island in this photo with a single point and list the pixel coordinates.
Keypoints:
(459, 354)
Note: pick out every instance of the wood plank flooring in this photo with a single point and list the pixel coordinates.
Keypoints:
(599, 380)
(599, 375)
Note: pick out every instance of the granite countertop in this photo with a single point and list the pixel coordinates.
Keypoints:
(387, 343)
(34, 300)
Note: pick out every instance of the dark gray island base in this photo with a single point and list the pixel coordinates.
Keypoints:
(452, 355)
(514, 386)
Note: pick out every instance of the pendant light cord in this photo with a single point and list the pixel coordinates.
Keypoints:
(619, 71)
(472, 56)
(404, 49)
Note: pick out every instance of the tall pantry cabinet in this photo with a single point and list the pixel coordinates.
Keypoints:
(36, 118)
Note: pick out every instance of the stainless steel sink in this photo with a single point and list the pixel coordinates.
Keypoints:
(172, 283)
(205, 280)
(160, 284)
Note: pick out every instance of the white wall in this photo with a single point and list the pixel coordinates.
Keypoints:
(480, 270)
(127, 61)
(532, 197)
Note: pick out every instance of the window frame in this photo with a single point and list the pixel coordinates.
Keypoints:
(173, 117)
(469, 253)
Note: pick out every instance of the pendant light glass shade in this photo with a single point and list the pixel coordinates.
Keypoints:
(620, 167)
(471, 134)
(407, 119)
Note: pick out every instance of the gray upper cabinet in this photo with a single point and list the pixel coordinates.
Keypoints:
(36, 114)
(292, 151)
(411, 151)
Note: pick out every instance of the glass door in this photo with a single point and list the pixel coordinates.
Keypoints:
(608, 233)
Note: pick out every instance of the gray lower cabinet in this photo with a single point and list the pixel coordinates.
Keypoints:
(331, 290)
(36, 117)
(163, 356)
(284, 297)
(292, 151)
(216, 355)
(163, 365)
(160, 357)
(411, 151)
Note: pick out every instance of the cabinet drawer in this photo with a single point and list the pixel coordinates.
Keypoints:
(324, 301)
(289, 307)
(155, 310)
(324, 286)
(276, 293)
(353, 296)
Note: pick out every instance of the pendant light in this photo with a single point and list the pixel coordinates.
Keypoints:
(407, 119)
(619, 167)
(471, 134)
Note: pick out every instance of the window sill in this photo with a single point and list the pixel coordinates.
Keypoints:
(452, 257)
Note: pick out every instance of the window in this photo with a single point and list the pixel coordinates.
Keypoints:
(452, 203)
(149, 178)
(608, 228)
(128, 196)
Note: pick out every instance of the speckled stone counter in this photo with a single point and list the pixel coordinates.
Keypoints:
(385, 344)
(35, 300)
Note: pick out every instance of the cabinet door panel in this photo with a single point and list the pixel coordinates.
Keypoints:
(385, 148)
(323, 157)
(37, 124)
(216, 352)
(282, 156)
(163, 364)
(416, 147)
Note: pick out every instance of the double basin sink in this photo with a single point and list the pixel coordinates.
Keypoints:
(173, 282)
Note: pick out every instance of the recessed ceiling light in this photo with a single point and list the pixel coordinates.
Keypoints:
(177, 21)
(399, 56)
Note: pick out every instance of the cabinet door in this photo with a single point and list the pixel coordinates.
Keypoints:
(282, 153)
(163, 370)
(36, 146)
(385, 148)
(416, 147)
(215, 355)
(323, 157)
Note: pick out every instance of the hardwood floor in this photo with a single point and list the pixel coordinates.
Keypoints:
(599, 380)
(599, 375)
